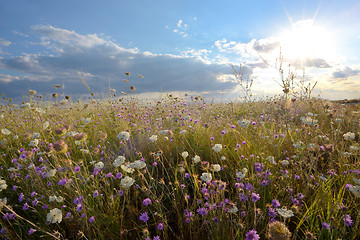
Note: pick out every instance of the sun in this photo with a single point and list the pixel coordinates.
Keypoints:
(307, 41)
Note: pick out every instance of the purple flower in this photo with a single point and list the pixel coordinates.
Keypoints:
(255, 197)
(160, 226)
(68, 215)
(144, 217)
(31, 231)
(21, 197)
(79, 207)
(76, 169)
(35, 202)
(325, 225)
(91, 219)
(242, 197)
(275, 203)
(347, 220)
(252, 235)
(96, 193)
(25, 207)
(249, 186)
(33, 194)
(156, 238)
(187, 175)
(62, 182)
(118, 175)
(202, 211)
(272, 213)
(146, 201)
(258, 167)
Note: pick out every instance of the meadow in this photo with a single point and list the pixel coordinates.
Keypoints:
(179, 168)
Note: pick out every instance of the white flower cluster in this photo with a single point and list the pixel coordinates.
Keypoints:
(355, 189)
(127, 181)
(3, 184)
(241, 174)
(54, 216)
(217, 147)
(123, 136)
(206, 177)
(349, 136)
(309, 121)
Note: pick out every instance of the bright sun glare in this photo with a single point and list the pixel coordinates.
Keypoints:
(306, 40)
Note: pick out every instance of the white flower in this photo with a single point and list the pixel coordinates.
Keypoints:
(56, 198)
(1, 116)
(196, 159)
(153, 138)
(241, 174)
(285, 162)
(32, 92)
(123, 136)
(217, 147)
(354, 148)
(223, 158)
(54, 216)
(99, 165)
(127, 169)
(355, 190)
(284, 212)
(244, 122)
(206, 177)
(85, 151)
(164, 131)
(25, 105)
(349, 136)
(15, 137)
(39, 110)
(72, 133)
(46, 125)
(234, 209)
(118, 161)
(298, 144)
(183, 131)
(3, 184)
(127, 181)
(310, 114)
(138, 164)
(112, 90)
(3, 201)
(64, 102)
(184, 154)
(308, 121)
(356, 180)
(51, 173)
(271, 159)
(3, 142)
(5, 131)
(34, 143)
(216, 167)
(323, 178)
(35, 135)
(86, 120)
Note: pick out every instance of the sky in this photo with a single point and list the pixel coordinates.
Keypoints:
(178, 47)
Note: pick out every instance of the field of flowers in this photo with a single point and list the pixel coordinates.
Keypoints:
(179, 168)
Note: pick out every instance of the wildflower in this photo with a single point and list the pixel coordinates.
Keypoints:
(285, 212)
(138, 164)
(202, 211)
(217, 147)
(355, 190)
(309, 121)
(3, 184)
(184, 154)
(127, 181)
(325, 225)
(99, 165)
(77, 169)
(160, 226)
(146, 201)
(34, 143)
(153, 138)
(64, 102)
(244, 122)
(252, 235)
(196, 159)
(91, 219)
(278, 231)
(216, 167)
(127, 169)
(60, 146)
(144, 217)
(5, 131)
(32, 92)
(223, 158)
(234, 209)
(349, 136)
(63, 182)
(31, 231)
(255, 197)
(206, 177)
(54, 216)
(25, 105)
(347, 220)
(51, 173)
(123, 136)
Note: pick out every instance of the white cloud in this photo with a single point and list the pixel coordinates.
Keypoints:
(181, 28)
(4, 42)
(8, 78)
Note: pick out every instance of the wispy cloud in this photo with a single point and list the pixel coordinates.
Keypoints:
(181, 28)
(346, 73)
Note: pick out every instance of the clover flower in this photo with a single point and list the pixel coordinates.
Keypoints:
(196, 159)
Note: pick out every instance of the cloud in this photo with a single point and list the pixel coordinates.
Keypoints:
(309, 62)
(69, 53)
(266, 45)
(345, 73)
(8, 78)
(181, 27)
(4, 42)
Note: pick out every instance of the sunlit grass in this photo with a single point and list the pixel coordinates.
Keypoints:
(189, 169)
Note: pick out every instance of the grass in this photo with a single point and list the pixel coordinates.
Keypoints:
(302, 157)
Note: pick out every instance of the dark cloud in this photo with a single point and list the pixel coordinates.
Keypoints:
(346, 73)
(105, 62)
(266, 45)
